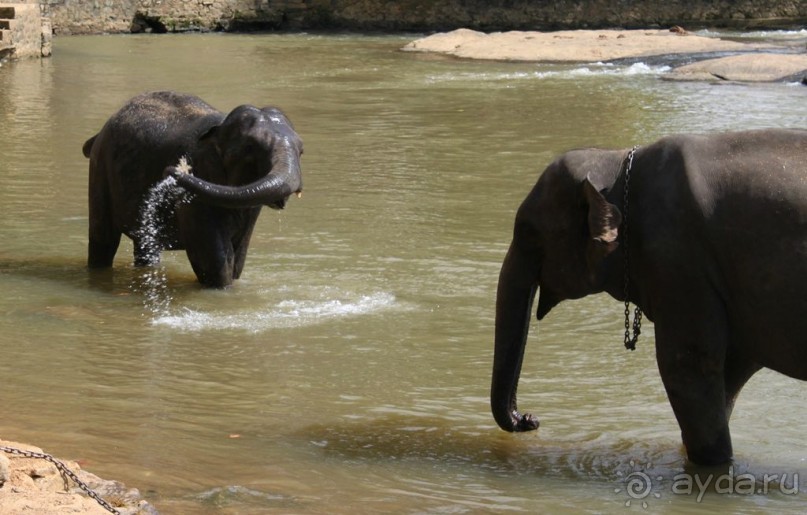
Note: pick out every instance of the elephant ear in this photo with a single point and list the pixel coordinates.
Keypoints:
(604, 220)
(209, 133)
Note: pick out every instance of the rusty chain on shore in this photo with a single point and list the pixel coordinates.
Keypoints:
(65, 472)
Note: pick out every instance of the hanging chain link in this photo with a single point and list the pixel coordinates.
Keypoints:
(630, 341)
(64, 471)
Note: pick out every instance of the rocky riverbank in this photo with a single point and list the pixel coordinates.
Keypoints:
(751, 62)
(35, 486)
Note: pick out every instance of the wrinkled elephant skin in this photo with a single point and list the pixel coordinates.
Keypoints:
(717, 248)
(239, 162)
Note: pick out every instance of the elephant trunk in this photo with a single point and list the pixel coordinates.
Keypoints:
(273, 190)
(517, 287)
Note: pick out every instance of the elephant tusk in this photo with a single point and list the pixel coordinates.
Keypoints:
(299, 194)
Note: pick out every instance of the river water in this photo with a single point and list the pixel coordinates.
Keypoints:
(348, 370)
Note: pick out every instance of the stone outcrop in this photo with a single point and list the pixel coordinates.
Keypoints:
(754, 62)
(117, 16)
(36, 487)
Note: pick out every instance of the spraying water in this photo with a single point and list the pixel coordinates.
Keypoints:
(159, 206)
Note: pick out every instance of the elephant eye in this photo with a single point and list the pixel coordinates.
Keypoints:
(243, 153)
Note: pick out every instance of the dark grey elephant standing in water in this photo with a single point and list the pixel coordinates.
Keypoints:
(713, 247)
(240, 161)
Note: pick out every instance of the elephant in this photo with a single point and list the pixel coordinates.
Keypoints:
(239, 162)
(705, 233)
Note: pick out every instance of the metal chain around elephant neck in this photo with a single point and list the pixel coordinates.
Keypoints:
(630, 341)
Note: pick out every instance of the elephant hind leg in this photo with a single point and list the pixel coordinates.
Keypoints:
(104, 238)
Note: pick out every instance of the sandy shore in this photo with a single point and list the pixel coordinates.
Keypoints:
(754, 62)
(35, 486)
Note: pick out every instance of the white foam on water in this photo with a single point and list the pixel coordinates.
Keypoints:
(589, 70)
(284, 314)
(755, 34)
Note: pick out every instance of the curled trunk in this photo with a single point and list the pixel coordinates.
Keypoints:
(272, 190)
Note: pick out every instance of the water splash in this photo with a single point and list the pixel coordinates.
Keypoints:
(153, 286)
(285, 314)
(158, 204)
(158, 207)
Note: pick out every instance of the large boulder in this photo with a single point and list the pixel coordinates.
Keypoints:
(755, 67)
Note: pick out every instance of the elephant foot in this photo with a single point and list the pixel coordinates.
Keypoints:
(708, 449)
(710, 457)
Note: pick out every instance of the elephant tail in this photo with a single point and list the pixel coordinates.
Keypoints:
(87, 148)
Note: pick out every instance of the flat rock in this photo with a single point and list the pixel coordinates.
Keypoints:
(573, 45)
(764, 67)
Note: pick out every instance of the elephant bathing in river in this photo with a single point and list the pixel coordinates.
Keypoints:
(707, 234)
(240, 162)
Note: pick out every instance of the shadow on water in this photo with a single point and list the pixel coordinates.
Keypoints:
(68, 271)
(676, 60)
(631, 469)
(243, 497)
(148, 282)
(487, 449)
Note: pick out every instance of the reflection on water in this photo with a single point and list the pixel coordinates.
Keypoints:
(348, 369)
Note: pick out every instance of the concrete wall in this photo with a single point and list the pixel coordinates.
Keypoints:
(94, 16)
(24, 31)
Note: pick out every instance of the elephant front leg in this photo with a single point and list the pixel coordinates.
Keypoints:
(691, 353)
(737, 371)
(101, 249)
(212, 259)
(241, 243)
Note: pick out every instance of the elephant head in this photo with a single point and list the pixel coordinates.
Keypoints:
(565, 245)
(250, 159)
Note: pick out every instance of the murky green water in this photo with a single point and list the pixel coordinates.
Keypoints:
(348, 370)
